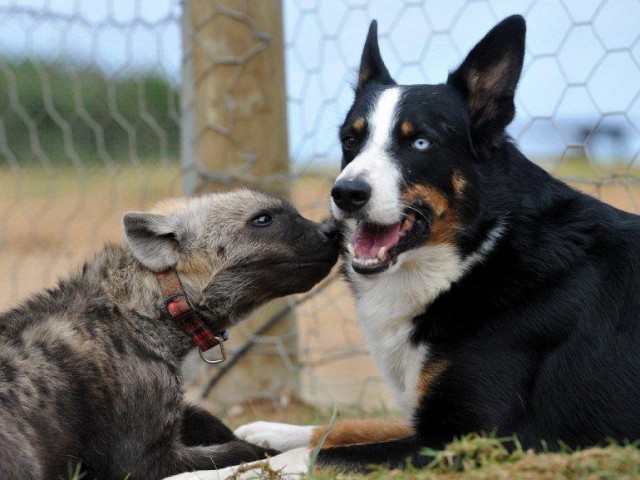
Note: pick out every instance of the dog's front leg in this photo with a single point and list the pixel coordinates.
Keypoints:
(199, 427)
(284, 437)
(291, 465)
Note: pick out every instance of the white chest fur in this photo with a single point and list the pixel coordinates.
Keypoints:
(387, 303)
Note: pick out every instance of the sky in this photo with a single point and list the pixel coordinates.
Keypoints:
(582, 67)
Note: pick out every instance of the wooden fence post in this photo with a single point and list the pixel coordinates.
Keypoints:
(234, 134)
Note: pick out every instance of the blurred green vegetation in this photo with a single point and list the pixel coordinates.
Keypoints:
(65, 113)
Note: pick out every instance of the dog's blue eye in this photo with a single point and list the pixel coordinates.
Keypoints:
(421, 144)
(262, 220)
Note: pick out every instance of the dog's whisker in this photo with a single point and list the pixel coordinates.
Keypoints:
(414, 209)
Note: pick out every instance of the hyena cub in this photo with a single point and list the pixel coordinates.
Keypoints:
(90, 370)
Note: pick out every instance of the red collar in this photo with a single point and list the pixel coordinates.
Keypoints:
(179, 308)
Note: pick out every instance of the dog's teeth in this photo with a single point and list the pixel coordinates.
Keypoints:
(382, 252)
(351, 249)
(365, 262)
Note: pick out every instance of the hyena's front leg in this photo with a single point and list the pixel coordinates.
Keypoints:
(199, 427)
(190, 459)
(283, 437)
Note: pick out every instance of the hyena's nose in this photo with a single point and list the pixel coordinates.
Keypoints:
(329, 228)
(351, 195)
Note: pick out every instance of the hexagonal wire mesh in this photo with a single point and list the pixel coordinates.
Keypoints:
(89, 119)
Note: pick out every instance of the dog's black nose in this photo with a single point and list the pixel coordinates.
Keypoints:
(351, 195)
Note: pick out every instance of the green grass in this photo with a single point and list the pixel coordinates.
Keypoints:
(470, 457)
(62, 113)
(486, 458)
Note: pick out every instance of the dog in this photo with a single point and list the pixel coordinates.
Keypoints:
(494, 297)
(90, 370)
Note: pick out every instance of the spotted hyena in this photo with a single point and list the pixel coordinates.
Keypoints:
(90, 370)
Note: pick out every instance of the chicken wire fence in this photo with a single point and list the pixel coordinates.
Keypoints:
(104, 109)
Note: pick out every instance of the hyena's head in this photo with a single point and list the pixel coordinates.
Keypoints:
(237, 250)
(410, 176)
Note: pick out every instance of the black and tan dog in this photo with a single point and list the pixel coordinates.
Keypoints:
(494, 297)
(90, 370)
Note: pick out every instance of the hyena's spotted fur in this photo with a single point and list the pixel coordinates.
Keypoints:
(90, 370)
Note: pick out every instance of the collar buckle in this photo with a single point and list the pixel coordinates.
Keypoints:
(223, 353)
(179, 308)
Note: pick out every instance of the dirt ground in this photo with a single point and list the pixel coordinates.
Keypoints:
(50, 221)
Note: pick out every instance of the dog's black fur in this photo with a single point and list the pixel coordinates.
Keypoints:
(542, 338)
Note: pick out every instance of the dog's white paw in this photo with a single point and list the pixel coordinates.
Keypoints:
(293, 464)
(279, 436)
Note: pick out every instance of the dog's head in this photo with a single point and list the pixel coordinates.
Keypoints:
(410, 153)
(237, 249)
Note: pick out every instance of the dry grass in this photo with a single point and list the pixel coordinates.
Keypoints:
(484, 458)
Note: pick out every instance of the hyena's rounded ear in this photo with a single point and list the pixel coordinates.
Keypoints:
(152, 239)
(372, 68)
(488, 77)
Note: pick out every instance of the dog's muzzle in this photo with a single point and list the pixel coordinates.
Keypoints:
(350, 196)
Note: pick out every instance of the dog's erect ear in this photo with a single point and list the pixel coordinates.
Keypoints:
(153, 239)
(488, 77)
(372, 68)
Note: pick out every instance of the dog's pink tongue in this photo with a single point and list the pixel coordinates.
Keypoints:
(368, 239)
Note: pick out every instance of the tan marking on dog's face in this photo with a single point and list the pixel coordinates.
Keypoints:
(429, 195)
(350, 432)
(430, 372)
(445, 222)
(459, 183)
(406, 128)
(358, 125)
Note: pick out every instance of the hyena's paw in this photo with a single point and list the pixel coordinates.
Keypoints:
(279, 436)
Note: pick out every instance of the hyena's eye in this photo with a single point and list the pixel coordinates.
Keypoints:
(349, 142)
(421, 144)
(262, 220)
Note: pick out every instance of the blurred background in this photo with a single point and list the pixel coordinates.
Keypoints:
(107, 106)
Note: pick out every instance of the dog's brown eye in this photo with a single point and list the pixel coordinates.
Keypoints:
(349, 142)
(262, 220)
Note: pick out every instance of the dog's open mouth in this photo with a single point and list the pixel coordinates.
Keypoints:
(374, 248)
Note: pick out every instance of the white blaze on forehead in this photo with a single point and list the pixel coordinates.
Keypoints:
(383, 117)
(374, 164)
